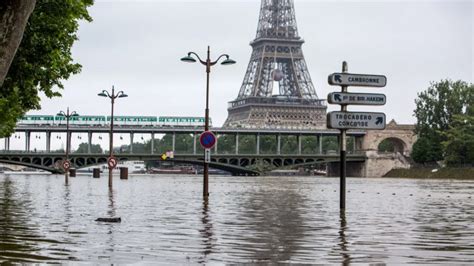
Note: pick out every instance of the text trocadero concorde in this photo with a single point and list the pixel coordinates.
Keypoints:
(356, 120)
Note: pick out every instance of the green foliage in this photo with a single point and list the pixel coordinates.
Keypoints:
(43, 58)
(95, 148)
(289, 144)
(459, 144)
(184, 143)
(386, 146)
(226, 144)
(330, 143)
(268, 144)
(423, 151)
(436, 109)
(247, 144)
(309, 145)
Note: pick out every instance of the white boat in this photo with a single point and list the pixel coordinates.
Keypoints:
(134, 167)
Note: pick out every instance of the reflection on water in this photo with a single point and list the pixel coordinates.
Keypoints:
(246, 220)
(19, 237)
(346, 258)
(207, 234)
(274, 225)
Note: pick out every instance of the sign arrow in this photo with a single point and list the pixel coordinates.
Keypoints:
(337, 97)
(338, 78)
(379, 120)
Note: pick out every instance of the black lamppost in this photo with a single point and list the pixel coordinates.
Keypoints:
(67, 115)
(112, 97)
(208, 63)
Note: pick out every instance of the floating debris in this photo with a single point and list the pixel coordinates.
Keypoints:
(109, 220)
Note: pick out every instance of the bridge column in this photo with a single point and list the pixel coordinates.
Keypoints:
(89, 142)
(298, 137)
(7, 143)
(152, 143)
(27, 140)
(174, 142)
(7, 140)
(194, 143)
(215, 147)
(131, 142)
(320, 138)
(258, 143)
(237, 143)
(48, 141)
(278, 144)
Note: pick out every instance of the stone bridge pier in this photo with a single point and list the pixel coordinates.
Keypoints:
(385, 150)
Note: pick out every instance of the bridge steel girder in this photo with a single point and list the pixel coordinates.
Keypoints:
(236, 164)
(195, 131)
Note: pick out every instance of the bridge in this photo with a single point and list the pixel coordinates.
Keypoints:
(239, 151)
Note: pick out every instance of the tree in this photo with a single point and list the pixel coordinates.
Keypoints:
(459, 144)
(435, 111)
(43, 58)
(14, 15)
(424, 152)
(83, 148)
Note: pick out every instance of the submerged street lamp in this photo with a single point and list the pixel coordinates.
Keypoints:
(208, 63)
(112, 97)
(66, 163)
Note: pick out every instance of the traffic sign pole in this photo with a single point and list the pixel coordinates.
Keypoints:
(207, 140)
(342, 189)
(344, 120)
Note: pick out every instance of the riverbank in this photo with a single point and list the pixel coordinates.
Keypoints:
(461, 173)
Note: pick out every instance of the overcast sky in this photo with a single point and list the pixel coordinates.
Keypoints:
(136, 46)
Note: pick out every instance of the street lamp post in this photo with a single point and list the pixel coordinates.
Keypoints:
(112, 97)
(67, 115)
(208, 63)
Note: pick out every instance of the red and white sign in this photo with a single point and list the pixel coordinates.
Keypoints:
(207, 139)
(112, 162)
(66, 164)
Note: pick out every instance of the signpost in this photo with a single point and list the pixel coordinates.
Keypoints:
(344, 120)
(357, 98)
(360, 80)
(359, 120)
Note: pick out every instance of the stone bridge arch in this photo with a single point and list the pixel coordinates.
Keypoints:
(402, 136)
(379, 163)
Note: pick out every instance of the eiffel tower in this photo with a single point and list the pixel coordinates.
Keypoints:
(277, 91)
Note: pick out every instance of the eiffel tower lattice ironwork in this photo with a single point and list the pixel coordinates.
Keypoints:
(277, 64)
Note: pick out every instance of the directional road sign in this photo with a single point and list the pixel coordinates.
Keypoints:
(207, 140)
(112, 162)
(356, 98)
(66, 164)
(356, 120)
(360, 80)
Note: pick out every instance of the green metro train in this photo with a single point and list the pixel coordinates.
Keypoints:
(95, 120)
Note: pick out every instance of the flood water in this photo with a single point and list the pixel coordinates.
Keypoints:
(246, 220)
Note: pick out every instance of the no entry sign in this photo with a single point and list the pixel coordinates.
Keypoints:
(207, 140)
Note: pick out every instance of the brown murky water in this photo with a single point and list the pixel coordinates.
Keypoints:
(247, 220)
